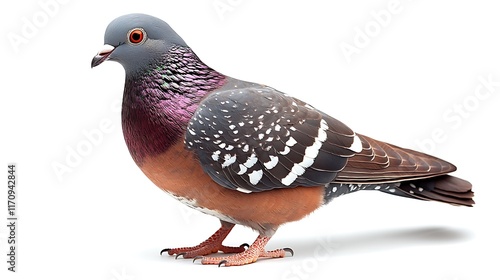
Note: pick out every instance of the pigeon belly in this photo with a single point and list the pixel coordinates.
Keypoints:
(179, 173)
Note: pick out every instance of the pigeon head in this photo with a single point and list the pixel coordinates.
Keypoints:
(136, 40)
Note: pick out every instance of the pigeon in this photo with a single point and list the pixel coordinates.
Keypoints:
(244, 152)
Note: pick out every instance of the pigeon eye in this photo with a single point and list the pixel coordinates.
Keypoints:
(136, 35)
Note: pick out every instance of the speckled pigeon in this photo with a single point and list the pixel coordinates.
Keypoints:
(244, 152)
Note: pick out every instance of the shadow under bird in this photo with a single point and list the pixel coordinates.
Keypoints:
(247, 153)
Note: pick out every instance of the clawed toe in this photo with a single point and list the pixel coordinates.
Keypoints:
(181, 254)
(289, 250)
(164, 250)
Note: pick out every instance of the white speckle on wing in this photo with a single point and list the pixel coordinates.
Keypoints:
(255, 176)
(251, 161)
(313, 150)
(285, 151)
(215, 155)
(322, 131)
(310, 154)
(273, 161)
(228, 160)
(291, 142)
(306, 162)
(298, 169)
(356, 145)
(246, 148)
(243, 169)
(243, 190)
(289, 179)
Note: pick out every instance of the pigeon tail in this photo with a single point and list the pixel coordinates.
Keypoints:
(445, 188)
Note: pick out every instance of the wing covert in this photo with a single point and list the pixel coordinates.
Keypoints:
(257, 138)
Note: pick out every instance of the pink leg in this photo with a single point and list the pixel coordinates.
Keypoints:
(212, 245)
(254, 252)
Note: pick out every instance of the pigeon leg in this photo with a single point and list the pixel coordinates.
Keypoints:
(212, 245)
(254, 252)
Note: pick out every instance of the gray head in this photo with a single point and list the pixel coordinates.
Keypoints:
(135, 40)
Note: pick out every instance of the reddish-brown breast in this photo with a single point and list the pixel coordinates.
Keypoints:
(178, 172)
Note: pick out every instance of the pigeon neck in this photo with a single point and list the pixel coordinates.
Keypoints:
(158, 104)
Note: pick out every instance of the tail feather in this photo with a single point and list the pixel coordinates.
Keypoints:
(455, 194)
(444, 188)
(454, 184)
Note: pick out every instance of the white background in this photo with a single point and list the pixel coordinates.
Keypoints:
(408, 78)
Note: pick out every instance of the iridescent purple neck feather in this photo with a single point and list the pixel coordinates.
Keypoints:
(159, 101)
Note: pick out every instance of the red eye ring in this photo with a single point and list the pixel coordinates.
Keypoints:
(136, 35)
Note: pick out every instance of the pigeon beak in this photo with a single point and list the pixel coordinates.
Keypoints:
(102, 55)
